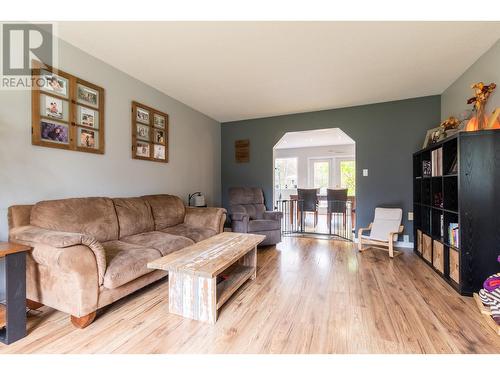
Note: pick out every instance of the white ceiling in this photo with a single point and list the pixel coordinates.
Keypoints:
(314, 138)
(240, 70)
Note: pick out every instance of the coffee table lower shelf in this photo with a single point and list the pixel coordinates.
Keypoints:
(236, 277)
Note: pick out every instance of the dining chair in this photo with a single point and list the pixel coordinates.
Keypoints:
(336, 204)
(307, 202)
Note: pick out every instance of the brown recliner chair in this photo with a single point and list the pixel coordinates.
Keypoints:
(248, 214)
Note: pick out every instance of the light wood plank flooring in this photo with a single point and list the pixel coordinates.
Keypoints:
(310, 296)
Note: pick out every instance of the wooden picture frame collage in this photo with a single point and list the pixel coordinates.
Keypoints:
(149, 133)
(67, 112)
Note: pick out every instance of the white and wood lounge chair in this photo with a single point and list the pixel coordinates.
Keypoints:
(383, 231)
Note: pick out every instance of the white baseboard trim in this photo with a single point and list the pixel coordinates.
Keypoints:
(406, 245)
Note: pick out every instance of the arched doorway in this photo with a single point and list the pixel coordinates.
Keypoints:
(322, 159)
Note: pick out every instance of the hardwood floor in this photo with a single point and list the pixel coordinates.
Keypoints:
(310, 296)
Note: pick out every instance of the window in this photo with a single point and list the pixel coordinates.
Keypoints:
(285, 173)
(348, 176)
(321, 173)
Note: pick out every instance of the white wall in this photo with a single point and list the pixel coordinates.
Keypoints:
(305, 154)
(485, 69)
(31, 173)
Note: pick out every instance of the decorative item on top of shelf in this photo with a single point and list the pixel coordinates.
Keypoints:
(66, 111)
(433, 135)
(494, 120)
(481, 94)
(450, 123)
(450, 126)
(149, 133)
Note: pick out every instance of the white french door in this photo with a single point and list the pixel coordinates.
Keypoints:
(320, 173)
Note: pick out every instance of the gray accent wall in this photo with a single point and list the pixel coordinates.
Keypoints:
(31, 173)
(386, 135)
(485, 69)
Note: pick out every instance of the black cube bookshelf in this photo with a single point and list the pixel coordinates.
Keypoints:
(456, 205)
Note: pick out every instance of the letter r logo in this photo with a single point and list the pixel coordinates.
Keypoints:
(23, 42)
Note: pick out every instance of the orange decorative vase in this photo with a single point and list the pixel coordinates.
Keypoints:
(477, 122)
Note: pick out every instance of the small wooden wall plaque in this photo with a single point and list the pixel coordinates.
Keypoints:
(242, 150)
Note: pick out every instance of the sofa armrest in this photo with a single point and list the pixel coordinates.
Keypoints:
(206, 217)
(60, 249)
(273, 215)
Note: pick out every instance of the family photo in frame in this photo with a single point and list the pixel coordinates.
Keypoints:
(55, 84)
(87, 138)
(88, 96)
(54, 132)
(87, 116)
(159, 121)
(53, 107)
(142, 116)
(142, 149)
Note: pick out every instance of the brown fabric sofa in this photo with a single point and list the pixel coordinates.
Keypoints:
(90, 252)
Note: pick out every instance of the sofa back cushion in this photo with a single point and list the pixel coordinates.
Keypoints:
(19, 215)
(92, 216)
(134, 216)
(247, 200)
(168, 210)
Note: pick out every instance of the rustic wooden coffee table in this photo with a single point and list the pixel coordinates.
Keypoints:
(203, 276)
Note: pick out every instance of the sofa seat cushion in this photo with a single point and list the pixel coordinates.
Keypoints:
(126, 262)
(165, 243)
(262, 225)
(197, 234)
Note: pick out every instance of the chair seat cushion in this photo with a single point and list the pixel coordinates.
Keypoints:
(262, 225)
(126, 262)
(165, 243)
(196, 234)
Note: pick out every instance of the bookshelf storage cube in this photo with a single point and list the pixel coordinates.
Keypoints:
(456, 204)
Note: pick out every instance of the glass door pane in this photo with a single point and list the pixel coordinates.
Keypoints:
(321, 174)
(285, 177)
(348, 176)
